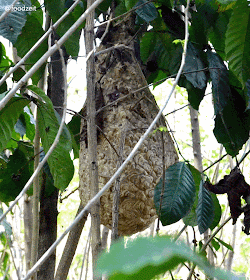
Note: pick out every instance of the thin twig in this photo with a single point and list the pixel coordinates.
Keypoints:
(207, 243)
(218, 160)
(180, 233)
(85, 253)
(13, 259)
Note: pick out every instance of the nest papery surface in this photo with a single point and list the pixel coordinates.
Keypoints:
(123, 125)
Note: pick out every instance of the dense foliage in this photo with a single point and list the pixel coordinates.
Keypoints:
(219, 31)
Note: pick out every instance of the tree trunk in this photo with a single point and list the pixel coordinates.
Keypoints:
(198, 158)
(196, 138)
(48, 203)
(92, 165)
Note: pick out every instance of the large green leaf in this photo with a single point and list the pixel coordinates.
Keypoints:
(8, 118)
(217, 34)
(60, 163)
(191, 219)
(231, 127)
(193, 64)
(178, 194)
(220, 81)
(237, 44)
(11, 26)
(146, 258)
(31, 33)
(205, 209)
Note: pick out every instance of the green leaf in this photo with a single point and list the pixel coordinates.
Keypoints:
(217, 35)
(120, 8)
(195, 95)
(59, 161)
(201, 22)
(162, 50)
(147, 45)
(191, 219)
(178, 194)
(9, 116)
(228, 246)
(20, 126)
(205, 209)
(31, 33)
(14, 177)
(18, 74)
(5, 64)
(237, 46)
(193, 63)
(220, 81)
(47, 178)
(146, 258)
(175, 60)
(147, 12)
(129, 4)
(74, 128)
(11, 26)
(215, 244)
(231, 129)
(30, 123)
(217, 211)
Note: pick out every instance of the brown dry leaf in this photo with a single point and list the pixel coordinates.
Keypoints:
(236, 187)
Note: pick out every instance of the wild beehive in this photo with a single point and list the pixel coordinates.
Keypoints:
(125, 120)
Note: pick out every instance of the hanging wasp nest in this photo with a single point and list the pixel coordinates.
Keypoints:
(118, 74)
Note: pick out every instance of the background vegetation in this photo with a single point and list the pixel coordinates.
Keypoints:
(214, 81)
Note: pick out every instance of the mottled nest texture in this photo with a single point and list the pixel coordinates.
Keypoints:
(118, 74)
